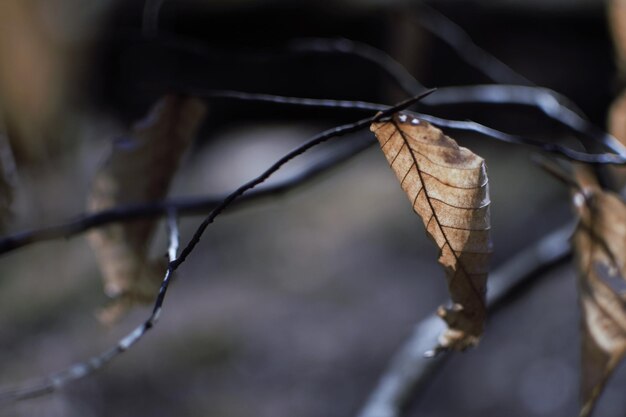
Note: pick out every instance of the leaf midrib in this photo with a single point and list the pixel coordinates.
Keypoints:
(447, 241)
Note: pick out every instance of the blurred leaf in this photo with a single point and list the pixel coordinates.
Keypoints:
(139, 170)
(617, 127)
(617, 112)
(448, 188)
(617, 21)
(600, 247)
(43, 47)
(33, 76)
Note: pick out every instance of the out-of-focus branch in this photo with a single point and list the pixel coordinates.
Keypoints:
(83, 369)
(321, 138)
(549, 102)
(461, 42)
(80, 370)
(393, 68)
(410, 369)
(554, 105)
(618, 158)
(183, 206)
(189, 206)
(593, 158)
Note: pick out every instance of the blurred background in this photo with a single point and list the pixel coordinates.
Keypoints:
(293, 306)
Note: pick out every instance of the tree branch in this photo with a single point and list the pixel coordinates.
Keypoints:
(81, 370)
(554, 105)
(321, 138)
(453, 95)
(183, 206)
(411, 367)
(531, 96)
(390, 66)
(462, 43)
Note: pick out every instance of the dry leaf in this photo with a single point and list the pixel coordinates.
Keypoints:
(617, 22)
(600, 245)
(448, 188)
(617, 127)
(139, 170)
(617, 112)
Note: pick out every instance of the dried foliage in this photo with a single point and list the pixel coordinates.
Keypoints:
(600, 246)
(617, 22)
(448, 188)
(41, 52)
(446, 184)
(139, 170)
(617, 112)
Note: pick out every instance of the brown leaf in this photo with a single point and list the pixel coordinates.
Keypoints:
(617, 127)
(43, 50)
(600, 246)
(448, 188)
(617, 22)
(617, 113)
(139, 170)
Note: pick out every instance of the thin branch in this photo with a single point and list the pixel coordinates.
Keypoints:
(188, 206)
(405, 80)
(458, 39)
(393, 68)
(321, 138)
(462, 43)
(183, 206)
(293, 101)
(553, 148)
(81, 370)
(543, 99)
(410, 369)
(554, 105)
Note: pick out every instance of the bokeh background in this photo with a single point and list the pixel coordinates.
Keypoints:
(293, 306)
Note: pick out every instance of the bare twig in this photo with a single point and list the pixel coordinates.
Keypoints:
(292, 101)
(393, 68)
(183, 206)
(552, 108)
(554, 105)
(496, 94)
(321, 138)
(83, 369)
(553, 148)
(410, 369)
(459, 40)
(547, 101)
(80, 370)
